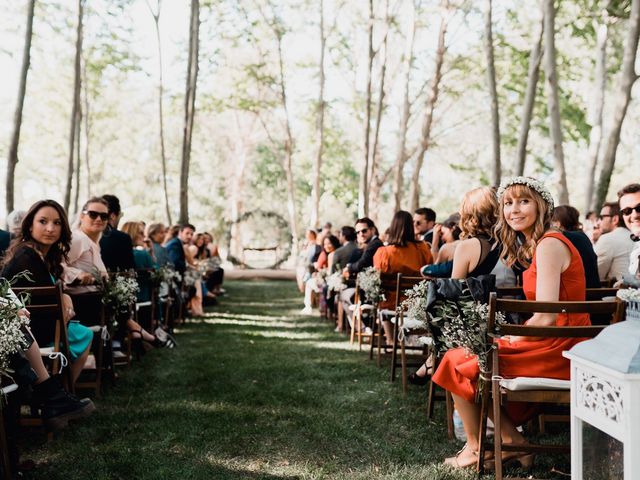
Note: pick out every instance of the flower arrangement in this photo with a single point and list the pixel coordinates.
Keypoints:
(119, 291)
(632, 297)
(370, 283)
(529, 182)
(335, 282)
(415, 306)
(12, 339)
(165, 274)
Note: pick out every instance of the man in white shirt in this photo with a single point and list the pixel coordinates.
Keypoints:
(629, 198)
(614, 245)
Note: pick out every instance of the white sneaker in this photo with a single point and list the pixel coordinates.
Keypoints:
(306, 311)
(367, 331)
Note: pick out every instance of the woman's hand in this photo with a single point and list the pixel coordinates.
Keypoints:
(85, 278)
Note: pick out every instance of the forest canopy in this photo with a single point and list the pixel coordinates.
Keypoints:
(312, 109)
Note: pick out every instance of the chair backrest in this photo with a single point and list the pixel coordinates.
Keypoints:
(615, 308)
(404, 283)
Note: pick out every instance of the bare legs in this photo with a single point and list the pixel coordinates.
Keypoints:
(78, 365)
(137, 330)
(35, 360)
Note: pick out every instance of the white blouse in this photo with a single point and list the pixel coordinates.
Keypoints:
(84, 256)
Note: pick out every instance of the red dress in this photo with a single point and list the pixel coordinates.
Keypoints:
(407, 260)
(458, 373)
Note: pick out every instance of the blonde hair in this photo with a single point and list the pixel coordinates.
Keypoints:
(478, 212)
(512, 250)
(133, 229)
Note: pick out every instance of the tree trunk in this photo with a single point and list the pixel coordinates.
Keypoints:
(425, 138)
(163, 156)
(85, 92)
(529, 99)
(627, 79)
(363, 190)
(76, 197)
(374, 161)
(288, 158)
(315, 188)
(597, 107)
(553, 101)
(189, 110)
(493, 93)
(401, 155)
(75, 107)
(12, 159)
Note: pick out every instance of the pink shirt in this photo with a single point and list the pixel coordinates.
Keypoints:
(84, 256)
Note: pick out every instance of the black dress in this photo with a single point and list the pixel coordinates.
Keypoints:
(27, 259)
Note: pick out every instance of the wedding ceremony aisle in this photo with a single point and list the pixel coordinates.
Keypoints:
(253, 391)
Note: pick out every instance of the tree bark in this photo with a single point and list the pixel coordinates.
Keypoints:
(425, 138)
(600, 84)
(288, 149)
(315, 188)
(189, 110)
(163, 156)
(623, 96)
(493, 93)
(76, 196)
(75, 107)
(553, 101)
(401, 155)
(85, 116)
(12, 159)
(363, 190)
(529, 99)
(375, 179)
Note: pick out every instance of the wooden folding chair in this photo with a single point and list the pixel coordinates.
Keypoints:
(5, 457)
(359, 307)
(404, 283)
(96, 365)
(542, 391)
(389, 283)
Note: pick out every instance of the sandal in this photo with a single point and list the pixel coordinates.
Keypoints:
(455, 461)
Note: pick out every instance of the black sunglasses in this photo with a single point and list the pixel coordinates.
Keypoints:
(364, 230)
(627, 211)
(93, 215)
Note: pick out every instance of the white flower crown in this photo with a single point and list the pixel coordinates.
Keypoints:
(529, 182)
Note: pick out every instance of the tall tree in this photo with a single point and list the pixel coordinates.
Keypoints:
(76, 106)
(432, 99)
(601, 27)
(493, 92)
(315, 187)
(553, 103)
(401, 155)
(623, 96)
(87, 136)
(76, 197)
(155, 13)
(363, 190)
(12, 160)
(189, 108)
(529, 99)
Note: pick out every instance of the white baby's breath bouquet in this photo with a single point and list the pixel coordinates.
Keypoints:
(12, 340)
(335, 282)
(415, 306)
(370, 283)
(119, 292)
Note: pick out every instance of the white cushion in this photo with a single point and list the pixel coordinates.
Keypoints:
(534, 383)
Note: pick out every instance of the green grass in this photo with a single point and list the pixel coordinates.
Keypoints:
(254, 391)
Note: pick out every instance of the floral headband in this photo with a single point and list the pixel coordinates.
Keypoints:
(529, 182)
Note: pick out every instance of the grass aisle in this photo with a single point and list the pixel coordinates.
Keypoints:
(253, 392)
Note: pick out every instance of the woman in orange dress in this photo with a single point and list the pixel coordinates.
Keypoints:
(403, 254)
(554, 273)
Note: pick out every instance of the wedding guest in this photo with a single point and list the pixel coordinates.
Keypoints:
(404, 254)
(555, 272)
(424, 220)
(40, 247)
(115, 246)
(156, 233)
(567, 219)
(614, 245)
(445, 239)
(629, 200)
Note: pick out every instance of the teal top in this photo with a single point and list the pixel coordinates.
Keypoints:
(143, 261)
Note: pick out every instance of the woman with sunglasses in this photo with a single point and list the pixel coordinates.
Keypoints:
(629, 199)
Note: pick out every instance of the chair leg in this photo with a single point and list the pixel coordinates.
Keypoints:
(354, 325)
(403, 359)
(394, 351)
(449, 413)
(380, 334)
(497, 429)
(482, 432)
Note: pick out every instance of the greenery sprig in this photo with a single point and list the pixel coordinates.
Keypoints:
(370, 282)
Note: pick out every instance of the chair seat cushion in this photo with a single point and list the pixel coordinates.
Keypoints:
(534, 383)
